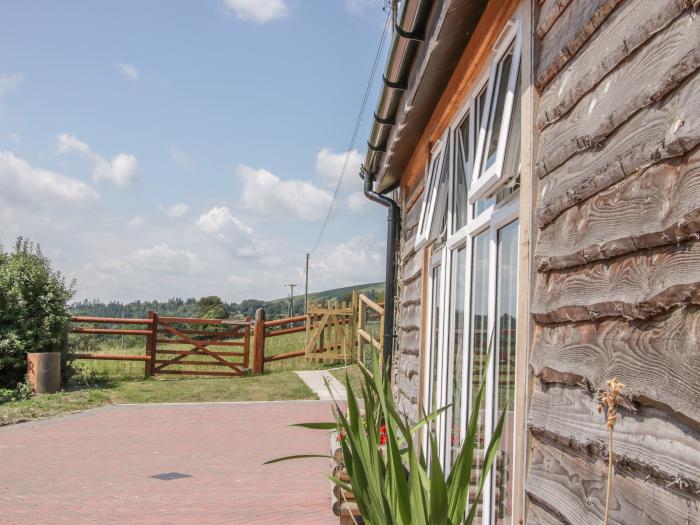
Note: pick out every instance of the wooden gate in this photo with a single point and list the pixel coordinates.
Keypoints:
(186, 346)
(330, 332)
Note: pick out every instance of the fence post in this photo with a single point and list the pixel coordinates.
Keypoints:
(354, 347)
(259, 342)
(151, 342)
(246, 343)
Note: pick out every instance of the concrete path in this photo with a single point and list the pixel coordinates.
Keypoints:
(167, 464)
(316, 381)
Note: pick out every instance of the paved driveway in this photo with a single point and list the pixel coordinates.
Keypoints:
(98, 466)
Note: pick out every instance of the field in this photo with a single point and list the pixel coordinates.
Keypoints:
(98, 382)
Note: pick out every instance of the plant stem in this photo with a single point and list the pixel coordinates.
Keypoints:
(610, 473)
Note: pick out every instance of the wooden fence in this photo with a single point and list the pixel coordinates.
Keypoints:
(207, 343)
(334, 332)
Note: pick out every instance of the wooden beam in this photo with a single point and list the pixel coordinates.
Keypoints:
(659, 207)
(259, 342)
(669, 128)
(108, 320)
(647, 441)
(627, 28)
(568, 34)
(111, 357)
(657, 68)
(639, 285)
(574, 486)
(657, 360)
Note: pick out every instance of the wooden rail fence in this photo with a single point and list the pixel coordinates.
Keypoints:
(177, 345)
(334, 332)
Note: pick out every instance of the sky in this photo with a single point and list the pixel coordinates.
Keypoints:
(177, 148)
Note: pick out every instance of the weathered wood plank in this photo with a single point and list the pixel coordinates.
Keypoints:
(575, 485)
(549, 12)
(568, 33)
(653, 71)
(634, 286)
(647, 441)
(666, 129)
(538, 515)
(660, 206)
(409, 341)
(411, 267)
(628, 27)
(657, 360)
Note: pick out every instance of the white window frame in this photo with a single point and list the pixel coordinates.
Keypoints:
(436, 260)
(485, 185)
(430, 193)
(492, 219)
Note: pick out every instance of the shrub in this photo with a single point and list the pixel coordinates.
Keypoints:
(392, 481)
(33, 310)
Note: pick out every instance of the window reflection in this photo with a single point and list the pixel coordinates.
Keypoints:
(506, 315)
(500, 92)
(479, 321)
(459, 263)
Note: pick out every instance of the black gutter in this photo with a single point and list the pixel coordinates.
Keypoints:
(392, 234)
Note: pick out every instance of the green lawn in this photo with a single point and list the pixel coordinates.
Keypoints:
(99, 382)
(269, 387)
(352, 373)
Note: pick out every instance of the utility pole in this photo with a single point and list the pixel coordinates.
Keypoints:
(306, 286)
(291, 299)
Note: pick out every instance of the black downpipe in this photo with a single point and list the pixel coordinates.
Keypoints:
(393, 218)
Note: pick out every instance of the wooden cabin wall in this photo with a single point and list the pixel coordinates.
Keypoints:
(617, 292)
(406, 364)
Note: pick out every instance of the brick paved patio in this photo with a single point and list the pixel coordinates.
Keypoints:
(96, 466)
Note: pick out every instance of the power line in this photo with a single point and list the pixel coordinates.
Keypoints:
(354, 133)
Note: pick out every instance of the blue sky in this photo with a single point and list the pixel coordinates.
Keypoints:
(179, 148)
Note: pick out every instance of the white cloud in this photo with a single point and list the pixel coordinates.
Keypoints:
(163, 258)
(21, 182)
(268, 194)
(358, 203)
(174, 211)
(230, 232)
(258, 10)
(359, 260)
(329, 165)
(181, 158)
(122, 170)
(9, 82)
(127, 70)
(135, 222)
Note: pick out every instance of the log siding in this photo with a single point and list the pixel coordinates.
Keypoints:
(617, 285)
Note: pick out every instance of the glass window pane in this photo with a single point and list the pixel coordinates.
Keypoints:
(506, 314)
(436, 294)
(430, 195)
(462, 162)
(498, 101)
(479, 338)
(439, 221)
(458, 269)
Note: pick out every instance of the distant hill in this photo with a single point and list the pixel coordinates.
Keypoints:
(178, 307)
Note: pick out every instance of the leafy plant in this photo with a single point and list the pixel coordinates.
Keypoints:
(33, 310)
(394, 484)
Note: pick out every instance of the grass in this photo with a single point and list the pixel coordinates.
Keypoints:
(274, 386)
(99, 382)
(352, 373)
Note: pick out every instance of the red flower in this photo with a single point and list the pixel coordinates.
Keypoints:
(382, 435)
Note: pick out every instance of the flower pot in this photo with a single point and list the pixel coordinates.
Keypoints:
(44, 371)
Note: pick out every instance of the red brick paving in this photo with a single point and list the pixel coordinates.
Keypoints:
(95, 467)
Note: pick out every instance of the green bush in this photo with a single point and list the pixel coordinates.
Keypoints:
(33, 310)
